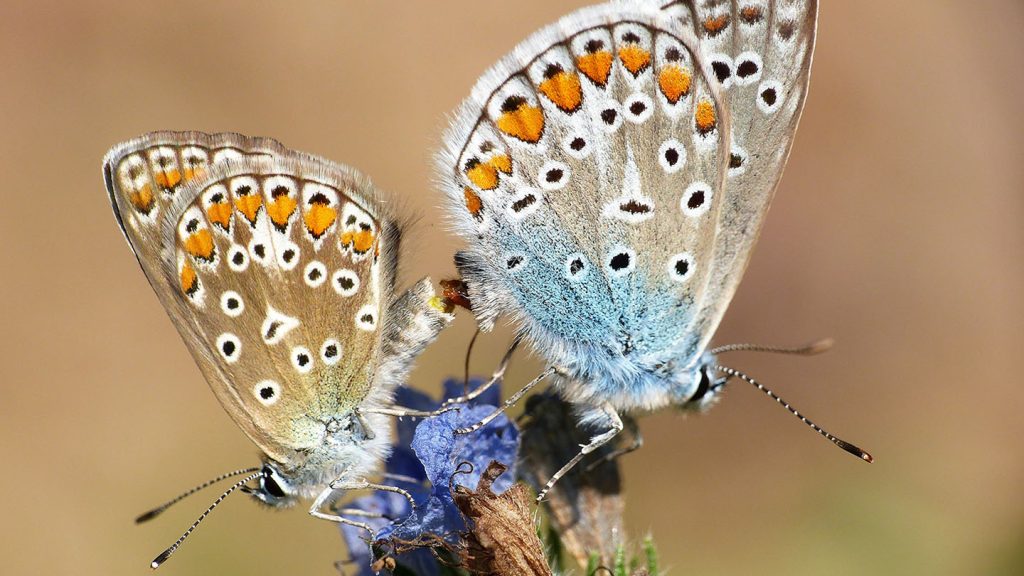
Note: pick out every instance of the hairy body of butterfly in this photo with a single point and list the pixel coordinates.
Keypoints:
(278, 270)
(610, 177)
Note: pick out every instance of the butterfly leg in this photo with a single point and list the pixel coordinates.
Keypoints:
(512, 400)
(400, 412)
(364, 485)
(636, 444)
(596, 442)
(495, 377)
(327, 497)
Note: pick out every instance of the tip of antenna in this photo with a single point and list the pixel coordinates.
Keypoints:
(823, 345)
(862, 454)
(149, 515)
(161, 558)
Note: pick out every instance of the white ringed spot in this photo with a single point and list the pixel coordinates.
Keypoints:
(276, 326)
(330, 352)
(229, 347)
(238, 258)
(620, 262)
(302, 359)
(576, 267)
(554, 175)
(345, 282)
(267, 392)
(366, 318)
(696, 199)
(638, 108)
(231, 303)
(680, 267)
(672, 156)
(769, 96)
(315, 274)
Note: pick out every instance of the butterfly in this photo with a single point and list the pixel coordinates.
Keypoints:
(610, 177)
(278, 270)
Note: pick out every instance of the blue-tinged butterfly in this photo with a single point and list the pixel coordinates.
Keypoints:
(610, 177)
(278, 270)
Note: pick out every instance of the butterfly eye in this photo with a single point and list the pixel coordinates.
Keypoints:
(554, 175)
(366, 318)
(345, 282)
(680, 267)
(621, 262)
(315, 274)
(302, 359)
(330, 352)
(576, 267)
(672, 156)
(231, 303)
(267, 392)
(638, 107)
(696, 200)
(229, 346)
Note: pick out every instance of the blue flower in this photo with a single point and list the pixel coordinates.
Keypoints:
(428, 460)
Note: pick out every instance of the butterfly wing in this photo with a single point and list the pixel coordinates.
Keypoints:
(760, 51)
(583, 170)
(275, 266)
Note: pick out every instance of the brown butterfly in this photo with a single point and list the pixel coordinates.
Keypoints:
(278, 270)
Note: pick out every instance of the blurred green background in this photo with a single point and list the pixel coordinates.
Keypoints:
(897, 230)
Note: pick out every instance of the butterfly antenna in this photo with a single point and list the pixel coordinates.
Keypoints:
(811, 349)
(159, 509)
(469, 354)
(862, 454)
(167, 553)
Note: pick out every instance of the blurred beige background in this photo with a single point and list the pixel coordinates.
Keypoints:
(897, 230)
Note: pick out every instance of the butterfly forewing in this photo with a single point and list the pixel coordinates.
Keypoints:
(276, 268)
(760, 52)
(576, 169)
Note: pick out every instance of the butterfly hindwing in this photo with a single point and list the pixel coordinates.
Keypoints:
(276, 267)
(584, 171)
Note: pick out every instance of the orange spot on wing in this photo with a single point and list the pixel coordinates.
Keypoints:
(564, 90)
(200, 244)
(596, 66)
(167, 179)
(502, 162)
(249, 206)
(526, 123)
(473, 203)
(191, 172)
(751, 14)
(281, 209)
(704, 117)
(189, 280)
(674, 82)
(360, 241)
(485, 176)
(319, 218)
(142, 199)
(220, 214)
(714, 26)
(634, 58)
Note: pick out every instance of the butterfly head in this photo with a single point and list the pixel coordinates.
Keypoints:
(275, 489)
(707, 386)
